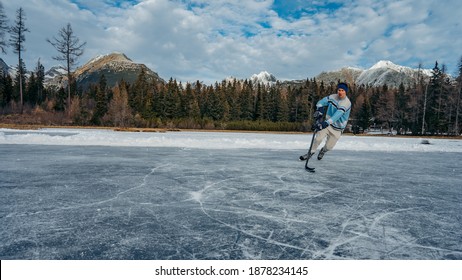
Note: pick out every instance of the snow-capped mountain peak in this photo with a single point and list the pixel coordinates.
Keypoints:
(264, 77)
(383, 72)
(386, 72)
(385, 64)
(55, 71)
(115, 56)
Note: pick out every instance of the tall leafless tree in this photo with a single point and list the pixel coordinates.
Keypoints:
(70, 49)
(17, 39)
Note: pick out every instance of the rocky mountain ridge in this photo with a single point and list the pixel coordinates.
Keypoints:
(383, 72)
(117, 66)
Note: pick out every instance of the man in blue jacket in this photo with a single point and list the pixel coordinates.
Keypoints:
(337, 115)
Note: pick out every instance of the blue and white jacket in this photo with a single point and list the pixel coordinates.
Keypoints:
(338, 110)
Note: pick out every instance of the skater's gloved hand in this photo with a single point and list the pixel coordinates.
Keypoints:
(319, 113)
(314, 127)
(321, 126)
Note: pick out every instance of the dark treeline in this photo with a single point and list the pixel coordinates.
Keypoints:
(429, 106)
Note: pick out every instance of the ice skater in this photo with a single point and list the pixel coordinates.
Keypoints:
(337, 115)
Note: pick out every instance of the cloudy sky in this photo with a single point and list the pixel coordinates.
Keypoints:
(209, 40)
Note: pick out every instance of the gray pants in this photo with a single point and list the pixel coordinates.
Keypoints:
(332, 137)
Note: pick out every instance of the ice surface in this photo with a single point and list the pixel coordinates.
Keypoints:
(99, 194)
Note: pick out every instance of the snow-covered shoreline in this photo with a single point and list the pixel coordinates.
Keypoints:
(216, 140)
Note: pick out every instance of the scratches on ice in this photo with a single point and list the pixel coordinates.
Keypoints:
(104, 201)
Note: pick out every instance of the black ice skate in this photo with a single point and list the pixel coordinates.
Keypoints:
(321, 153)
(305, 156)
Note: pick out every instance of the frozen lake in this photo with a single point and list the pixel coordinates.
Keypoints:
(96, 194)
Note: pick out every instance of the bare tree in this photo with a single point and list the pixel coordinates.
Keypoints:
(3, 29)
(70, 49)
(17, 40)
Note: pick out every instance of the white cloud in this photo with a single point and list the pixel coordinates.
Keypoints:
(211, 40)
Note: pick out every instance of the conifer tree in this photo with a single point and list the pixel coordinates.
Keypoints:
(17, 40)
(292, 104)
(459, 92)
(283, 107)
(402, 109)
(40, 75)
(6, 89)
(30, 94)
(214, 107)
(140, 92)
(271, 108)
(60, 100)
(185, 100)
(245, 101)
(172, 100)
(364, 114)
(232, 93)
(101, 101)
(259, 103)
(34, 87)
(434, 99)
(446, 103)
(305, 105)
(314, 94)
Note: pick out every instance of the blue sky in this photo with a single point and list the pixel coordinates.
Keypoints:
(210, 40)
(296, 9)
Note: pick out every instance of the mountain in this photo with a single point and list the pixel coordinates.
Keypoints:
(263, 78)
(348, 74)
(10, 70)
(55, 71)
(3, 66)
(56, 77)
(386, 72)
(117, 66)
(383, 72)
(114, 66)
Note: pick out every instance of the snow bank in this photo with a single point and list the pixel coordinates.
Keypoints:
(217, 140)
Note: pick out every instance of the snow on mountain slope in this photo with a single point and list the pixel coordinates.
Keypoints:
(386, 72)
(263, 77)
(383, 72)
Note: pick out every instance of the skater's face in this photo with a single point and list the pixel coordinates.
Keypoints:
(341, 93)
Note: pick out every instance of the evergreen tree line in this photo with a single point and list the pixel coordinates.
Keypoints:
(429, 106)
